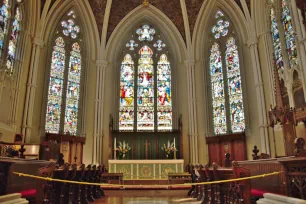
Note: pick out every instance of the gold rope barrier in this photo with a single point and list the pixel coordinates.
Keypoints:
(185, 184)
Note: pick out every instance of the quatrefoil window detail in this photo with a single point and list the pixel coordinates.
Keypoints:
(159, 45)
(220, 29)
(70, 28)
(145, 33)
(131, 45)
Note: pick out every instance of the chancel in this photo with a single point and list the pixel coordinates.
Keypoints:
(105, 96)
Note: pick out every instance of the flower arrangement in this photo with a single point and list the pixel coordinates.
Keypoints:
(123, 148)
(168, 148)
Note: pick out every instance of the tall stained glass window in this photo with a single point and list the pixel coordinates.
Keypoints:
(227, 103)
(145, 88)
(217, 84)
(126, 110)
(276, 42)
(4, 16)
(10, 27)
(65, 76)
(11, 55)
(289, 34)
(164, 105)
(234, 86)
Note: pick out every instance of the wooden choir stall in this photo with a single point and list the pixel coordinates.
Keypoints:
(70, 146)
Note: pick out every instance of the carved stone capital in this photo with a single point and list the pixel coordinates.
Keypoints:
(101, 64)
(38, 42)
(189, 63)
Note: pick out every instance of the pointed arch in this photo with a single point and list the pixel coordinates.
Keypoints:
(203, 24)
(64, 89)
(226, 96)
(150, 15)
(151, 108)
(86, 21)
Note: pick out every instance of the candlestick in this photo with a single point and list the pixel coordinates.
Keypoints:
(174, 143)
(115, 143)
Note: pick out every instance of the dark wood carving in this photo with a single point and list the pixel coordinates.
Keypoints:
(273, 184)
(98, 9)
(295, 171)
(299, 147)
(234, 144)
(71, 146)
(230, 192)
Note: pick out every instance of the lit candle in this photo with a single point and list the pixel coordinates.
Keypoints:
(115, 143)
(174, 143)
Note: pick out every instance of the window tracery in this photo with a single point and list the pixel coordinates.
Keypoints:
(225, 78)
(277, 20)
(9, 33)
(145, 87)
(63, 104)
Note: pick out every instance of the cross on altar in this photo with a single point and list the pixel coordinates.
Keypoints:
(147, 144)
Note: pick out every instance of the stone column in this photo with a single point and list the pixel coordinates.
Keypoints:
(287, 76)
(31, 88)
(192, 114)
(262, 114)
(300, 42)
(266, 39)
(98, 127)
(2, 81)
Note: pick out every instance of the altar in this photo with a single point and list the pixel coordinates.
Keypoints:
(146, 169)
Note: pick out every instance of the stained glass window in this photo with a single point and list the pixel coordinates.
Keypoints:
(65, 76)
(289, 34)
(234, 86)
(55, 92)
(4, 15)
(221, 27)
(126, 110)
(159, 45)
(150, 107)
(70, 27)
(276, 43)
(13, 41)
(218, 95)
(145, 92)
(226, 91)
(131, 45)
(164, 105)
(73, 90)
(145, 33)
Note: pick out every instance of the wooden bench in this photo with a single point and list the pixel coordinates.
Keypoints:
(108, 177)
(230, 192)
(176, 178)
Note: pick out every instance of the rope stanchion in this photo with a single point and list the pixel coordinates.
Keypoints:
(185, 184)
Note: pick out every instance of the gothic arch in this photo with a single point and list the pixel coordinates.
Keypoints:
(150, 15)
(202, 24)
(90, 32)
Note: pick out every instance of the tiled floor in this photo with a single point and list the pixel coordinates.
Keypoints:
(145, 197)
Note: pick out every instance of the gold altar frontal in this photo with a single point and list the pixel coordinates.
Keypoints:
(146, 169)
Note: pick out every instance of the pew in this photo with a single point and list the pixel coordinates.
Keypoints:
(11, 183)
(13, 198)
(231, 192)
(49, 191)
(176, 178)
(108, 177)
